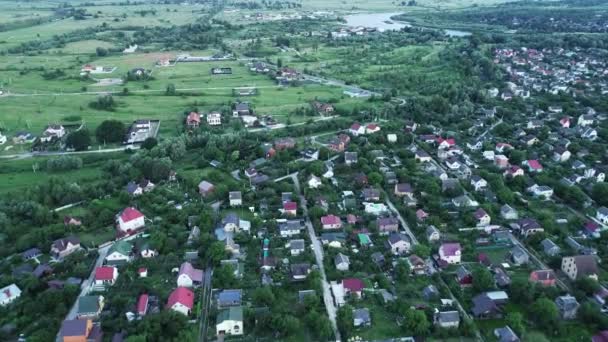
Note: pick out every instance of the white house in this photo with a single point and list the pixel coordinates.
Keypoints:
(478, 183)
(51, 132)
(188, 275)
(119, 253)
(602, 215)
(214, 119)
(181, 300)
(105, 275)
(2, 139)
(236, 198)
(8, 294)
(450, 253)
(342, 262)
(130, 220)
(314, 182)
(356, 129)
(230, 321)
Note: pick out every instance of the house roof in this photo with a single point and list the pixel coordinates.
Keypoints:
(480, 213)
(142, 303)
(353, 284)
(193, 273)
(74, 327)
(603, 211)
(450, 249)
(62, 244)
(205, 186)
(233, 313)
(404, 187)
(88, 304)
(534, 164)
(362, 314)
(449, 316)
(130, 214)
(387, 221)
(396, 238)
(104, 273)
(230, 296)
(505, 334)
(183, 296)
(330, 220)
(296, 244)
(290, 206)
(585, 265)
(10, 291)
(30, 253)
(122, 247)
(341, 258)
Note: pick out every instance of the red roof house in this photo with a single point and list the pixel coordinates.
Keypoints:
(181, 300)
(353, 285)
(193, 120)
(290, 208)
(130, 220)
(543, 277)
(106, 275)
(142, 305)
(533, 165)
(331, 222)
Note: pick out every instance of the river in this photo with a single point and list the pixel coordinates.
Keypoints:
(383, 22)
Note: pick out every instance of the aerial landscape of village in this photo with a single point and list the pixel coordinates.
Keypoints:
(303, 170)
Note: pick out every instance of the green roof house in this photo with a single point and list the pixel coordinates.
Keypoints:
(230, 321)
(89, 307)
(119, 253)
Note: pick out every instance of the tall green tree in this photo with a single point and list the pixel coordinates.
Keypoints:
(110, 131)
(79, 140)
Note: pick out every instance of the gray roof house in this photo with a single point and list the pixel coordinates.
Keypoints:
(508, 213)
(430, 292)
(550, 248)
(296, 246)
(361, 317)
(519, 256)
(447, 319)
(567, 306)
(228, 298)
(342, 262)
(505, 334)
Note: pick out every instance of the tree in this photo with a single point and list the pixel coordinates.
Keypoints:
(170, 89)
(345, 320)
(416, 322)
(545, 313)
(149, 143)
(79, 140)
(600, 193)
(402, 270)
(482, 280)
(516, 321)
(110, 131)
(101, 52)
(422, 251)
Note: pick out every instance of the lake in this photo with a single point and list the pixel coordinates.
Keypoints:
(380, 21)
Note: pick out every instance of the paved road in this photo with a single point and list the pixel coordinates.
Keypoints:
(205, 304)
(61, 153)
(404, 224)
(318, 251)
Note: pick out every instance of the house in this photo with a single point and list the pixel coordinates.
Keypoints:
(353, 286)
(361, 317)
(240, 109)
(505, 334)
(342, 262)
(356, 129)
(403, 189)
(80, 330)
(134, 189)
(63, 247)
(445, 143)
(228, 298)
(290, 208)
(501, 161)
(235, 198)
(290, 228)
(52, 132)
(501, 277)
(296, 247)
(452, 163)
(464, 201)
(387, 225)
(432, 234)
(205, 188)
(585, 120)
(417, 264)
(372, 128)
(181, 300)
(602, 215)
(528, 227)
(71, 221)
(189, 276)
(589, 134)
(550, 248)
(90, 307)
(514, 171)
(567, 306)
(231, 222)
(450, 252)
(430, 292)
(130, 220)
(371, 194)
(331, 222)
(314, 182)
(299, 271)
(561, 154)
(533, 165)
(519, 256)
(543, 277)
(375, 209)
(119, 253)
(350, 158)
(105, 275)
(422, 156)
(193, 120)
(489, 304)
(287, 143)
(229, 321)
(580, 266)
(31, 253)
(464, 277)
(541, 191)
(478, 183)
(421, 215)
(324, 108)
(142, 304)
(447, 319)
(148, 252)
(482, 217)
(508, 213)
(591, 229)
(398, 243)
(9, 294)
